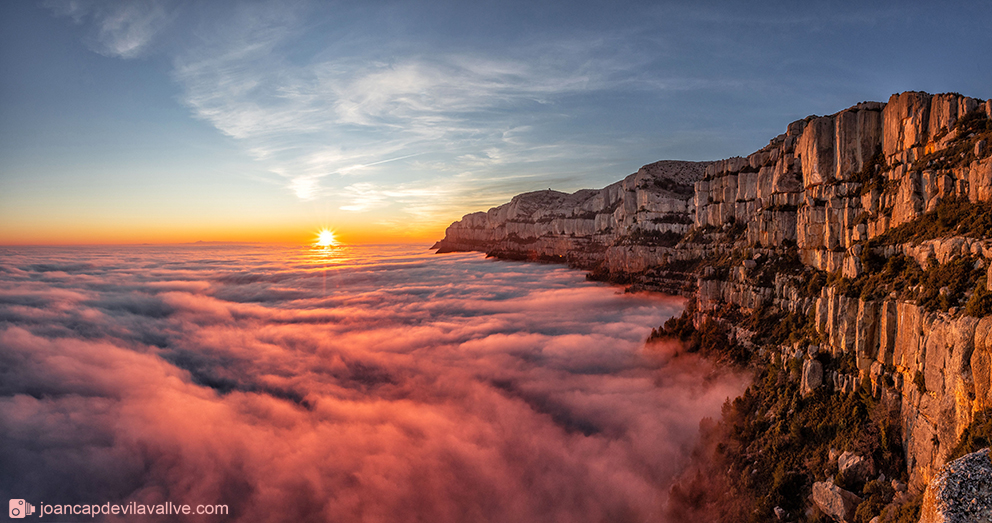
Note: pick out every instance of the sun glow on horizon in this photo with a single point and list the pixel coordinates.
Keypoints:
(326, 238)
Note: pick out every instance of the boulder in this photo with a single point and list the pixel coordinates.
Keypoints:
(835, 501)
(812, 376)
(961, 492)
(855, 467)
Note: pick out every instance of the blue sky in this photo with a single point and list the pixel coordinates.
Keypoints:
(178, 121)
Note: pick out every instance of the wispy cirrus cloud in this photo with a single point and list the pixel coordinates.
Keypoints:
(345, 116)
(346, 105)
(118, 29)
(356, 121)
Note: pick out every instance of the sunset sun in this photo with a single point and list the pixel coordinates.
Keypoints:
(325, 238)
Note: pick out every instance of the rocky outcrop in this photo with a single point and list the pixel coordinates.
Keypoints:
(961, 493)
(853, 193)
(789, 228)
(812, 376)
(827, 183)
(939, 366)
(856, 468)
(835, 502)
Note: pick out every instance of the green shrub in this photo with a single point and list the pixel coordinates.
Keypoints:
(877, 494)
(951, 217)
(980, 303)
(815, 283)
(905, 277)
(957, 276)
(908, 512)
(895, 274)
(674, 218)
(651, 238)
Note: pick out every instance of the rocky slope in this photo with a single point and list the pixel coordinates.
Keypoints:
(872, 226)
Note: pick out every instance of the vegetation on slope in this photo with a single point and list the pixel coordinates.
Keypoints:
(970, 129)
(938, 287)
(951, 217)
(772, 443)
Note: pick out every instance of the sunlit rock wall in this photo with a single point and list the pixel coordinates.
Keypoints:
(824, 187)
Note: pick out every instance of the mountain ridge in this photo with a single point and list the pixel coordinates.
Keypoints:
(872, 227)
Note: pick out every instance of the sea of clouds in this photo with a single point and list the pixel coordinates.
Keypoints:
(355, 384)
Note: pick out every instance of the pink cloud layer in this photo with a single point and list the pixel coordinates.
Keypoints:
(398, 386)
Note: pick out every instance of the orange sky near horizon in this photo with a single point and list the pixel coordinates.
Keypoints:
(136, 232)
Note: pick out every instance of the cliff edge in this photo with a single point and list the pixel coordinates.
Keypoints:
(867, 234)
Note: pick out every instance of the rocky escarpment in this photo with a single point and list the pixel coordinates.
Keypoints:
(868, 233)
(623, 228)
(867, 177)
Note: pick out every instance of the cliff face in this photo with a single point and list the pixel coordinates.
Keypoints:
(869, 222)
(625, 227)
(836, 183)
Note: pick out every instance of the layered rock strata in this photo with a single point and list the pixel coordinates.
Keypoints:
(800, 226)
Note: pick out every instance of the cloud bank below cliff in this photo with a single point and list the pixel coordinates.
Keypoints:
(379, 386)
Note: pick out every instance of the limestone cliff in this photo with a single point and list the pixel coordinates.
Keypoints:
(874, 223)
(651, 208)
(839, 186)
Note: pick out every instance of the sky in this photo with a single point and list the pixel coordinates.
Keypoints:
(154, 121)
(360, 384)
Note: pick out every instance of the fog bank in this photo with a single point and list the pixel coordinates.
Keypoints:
(364, 384)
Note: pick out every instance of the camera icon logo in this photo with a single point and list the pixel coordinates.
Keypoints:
(20, 508)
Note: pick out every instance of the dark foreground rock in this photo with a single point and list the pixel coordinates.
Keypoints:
(961, 493)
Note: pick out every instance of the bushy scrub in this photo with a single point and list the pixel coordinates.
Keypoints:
(772, 443)
(952, 217)
(980, 303)
(938, 287)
